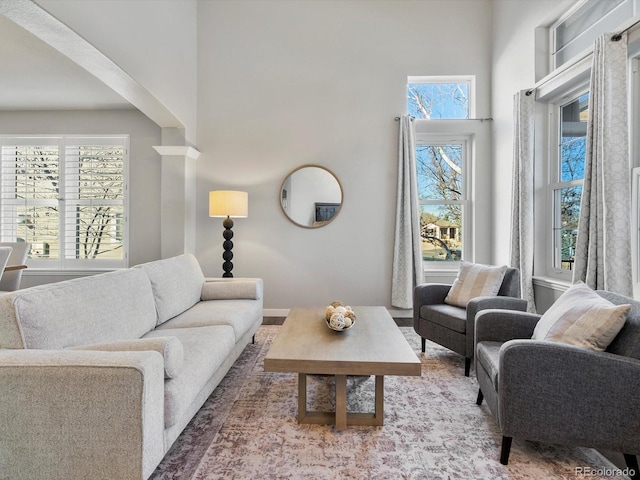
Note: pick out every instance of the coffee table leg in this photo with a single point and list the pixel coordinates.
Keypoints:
(379, 411)
(302, 396)
(341, 402)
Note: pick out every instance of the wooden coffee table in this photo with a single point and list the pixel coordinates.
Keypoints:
(373, 346)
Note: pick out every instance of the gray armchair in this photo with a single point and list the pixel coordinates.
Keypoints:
(558, 393)
(453, 327)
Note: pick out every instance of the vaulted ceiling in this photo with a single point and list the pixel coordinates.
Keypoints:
(35, 76)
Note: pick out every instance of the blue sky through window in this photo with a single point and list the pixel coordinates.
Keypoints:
(438, 100)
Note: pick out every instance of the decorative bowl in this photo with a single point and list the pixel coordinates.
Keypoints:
(339, 317)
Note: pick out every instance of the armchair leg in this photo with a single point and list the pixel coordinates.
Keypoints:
(467, 366)
(632, 463)
(424, 344)
(480, 397)
(506, 449)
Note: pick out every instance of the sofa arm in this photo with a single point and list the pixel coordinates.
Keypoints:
(232, 289)
(559, 393)
(503, 325)
(80, 414)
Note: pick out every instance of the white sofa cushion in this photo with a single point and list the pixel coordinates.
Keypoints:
(176, 283)
(205, 350)
(239, 314)
(169, 347)
(101, 308)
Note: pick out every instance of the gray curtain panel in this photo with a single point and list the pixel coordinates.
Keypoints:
(522, 235)
(407, 251)
(603, 246)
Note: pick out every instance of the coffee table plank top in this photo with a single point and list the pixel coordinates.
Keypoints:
(373, 346)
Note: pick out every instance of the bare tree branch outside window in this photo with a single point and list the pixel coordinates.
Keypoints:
(68, 203)
(440, 169)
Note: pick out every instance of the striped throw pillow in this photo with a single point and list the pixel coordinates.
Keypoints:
(475, 280)
(583, 318)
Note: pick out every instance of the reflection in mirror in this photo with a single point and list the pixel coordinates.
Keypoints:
(311, 196)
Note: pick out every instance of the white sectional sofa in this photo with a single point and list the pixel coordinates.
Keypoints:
(99, 375)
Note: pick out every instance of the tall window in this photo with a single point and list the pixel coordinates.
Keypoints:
(567, 179)
(441, 192)
(441, 162)
(67, 197)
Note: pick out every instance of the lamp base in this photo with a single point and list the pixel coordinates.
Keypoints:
(227, 255)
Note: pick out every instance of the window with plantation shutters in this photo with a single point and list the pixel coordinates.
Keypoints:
(67, 197)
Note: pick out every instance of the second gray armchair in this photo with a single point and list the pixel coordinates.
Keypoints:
(558, 393)
(452, 326)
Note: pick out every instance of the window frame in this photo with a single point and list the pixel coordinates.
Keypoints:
(553, 86)
(475, 136)
(64, 263)
(466, 141)
(554, 180)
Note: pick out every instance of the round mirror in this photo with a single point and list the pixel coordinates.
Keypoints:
(311, 196)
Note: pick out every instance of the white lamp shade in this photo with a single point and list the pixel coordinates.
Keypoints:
(228, 203)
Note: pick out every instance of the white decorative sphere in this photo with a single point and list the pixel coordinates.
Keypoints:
(337, 321)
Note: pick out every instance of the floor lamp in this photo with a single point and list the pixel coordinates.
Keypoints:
(228, 203)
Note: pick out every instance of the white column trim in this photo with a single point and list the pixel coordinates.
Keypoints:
(178, 199)
(180, 151)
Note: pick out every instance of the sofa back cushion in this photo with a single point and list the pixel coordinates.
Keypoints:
(107, 307)
(627, 342)
(176, 283)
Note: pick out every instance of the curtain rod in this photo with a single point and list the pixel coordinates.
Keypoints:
(618, 36)
(614, 38)
(476, 119)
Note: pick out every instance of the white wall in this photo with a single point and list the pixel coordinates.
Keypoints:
(514, 51)
(514, 24)
(144, 168)
(284, 83)
(154, 41)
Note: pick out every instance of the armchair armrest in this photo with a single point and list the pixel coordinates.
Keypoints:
(427, 294)
(502, 325)
(495, 302)
(232, 288)
(57, 407)
(430, 294)
(479, 304)
(561, 393)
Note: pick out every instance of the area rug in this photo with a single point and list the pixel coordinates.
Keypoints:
(433, 429)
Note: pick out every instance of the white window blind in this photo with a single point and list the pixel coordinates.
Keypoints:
(66, 196)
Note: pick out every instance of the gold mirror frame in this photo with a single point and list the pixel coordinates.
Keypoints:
(320, 207)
